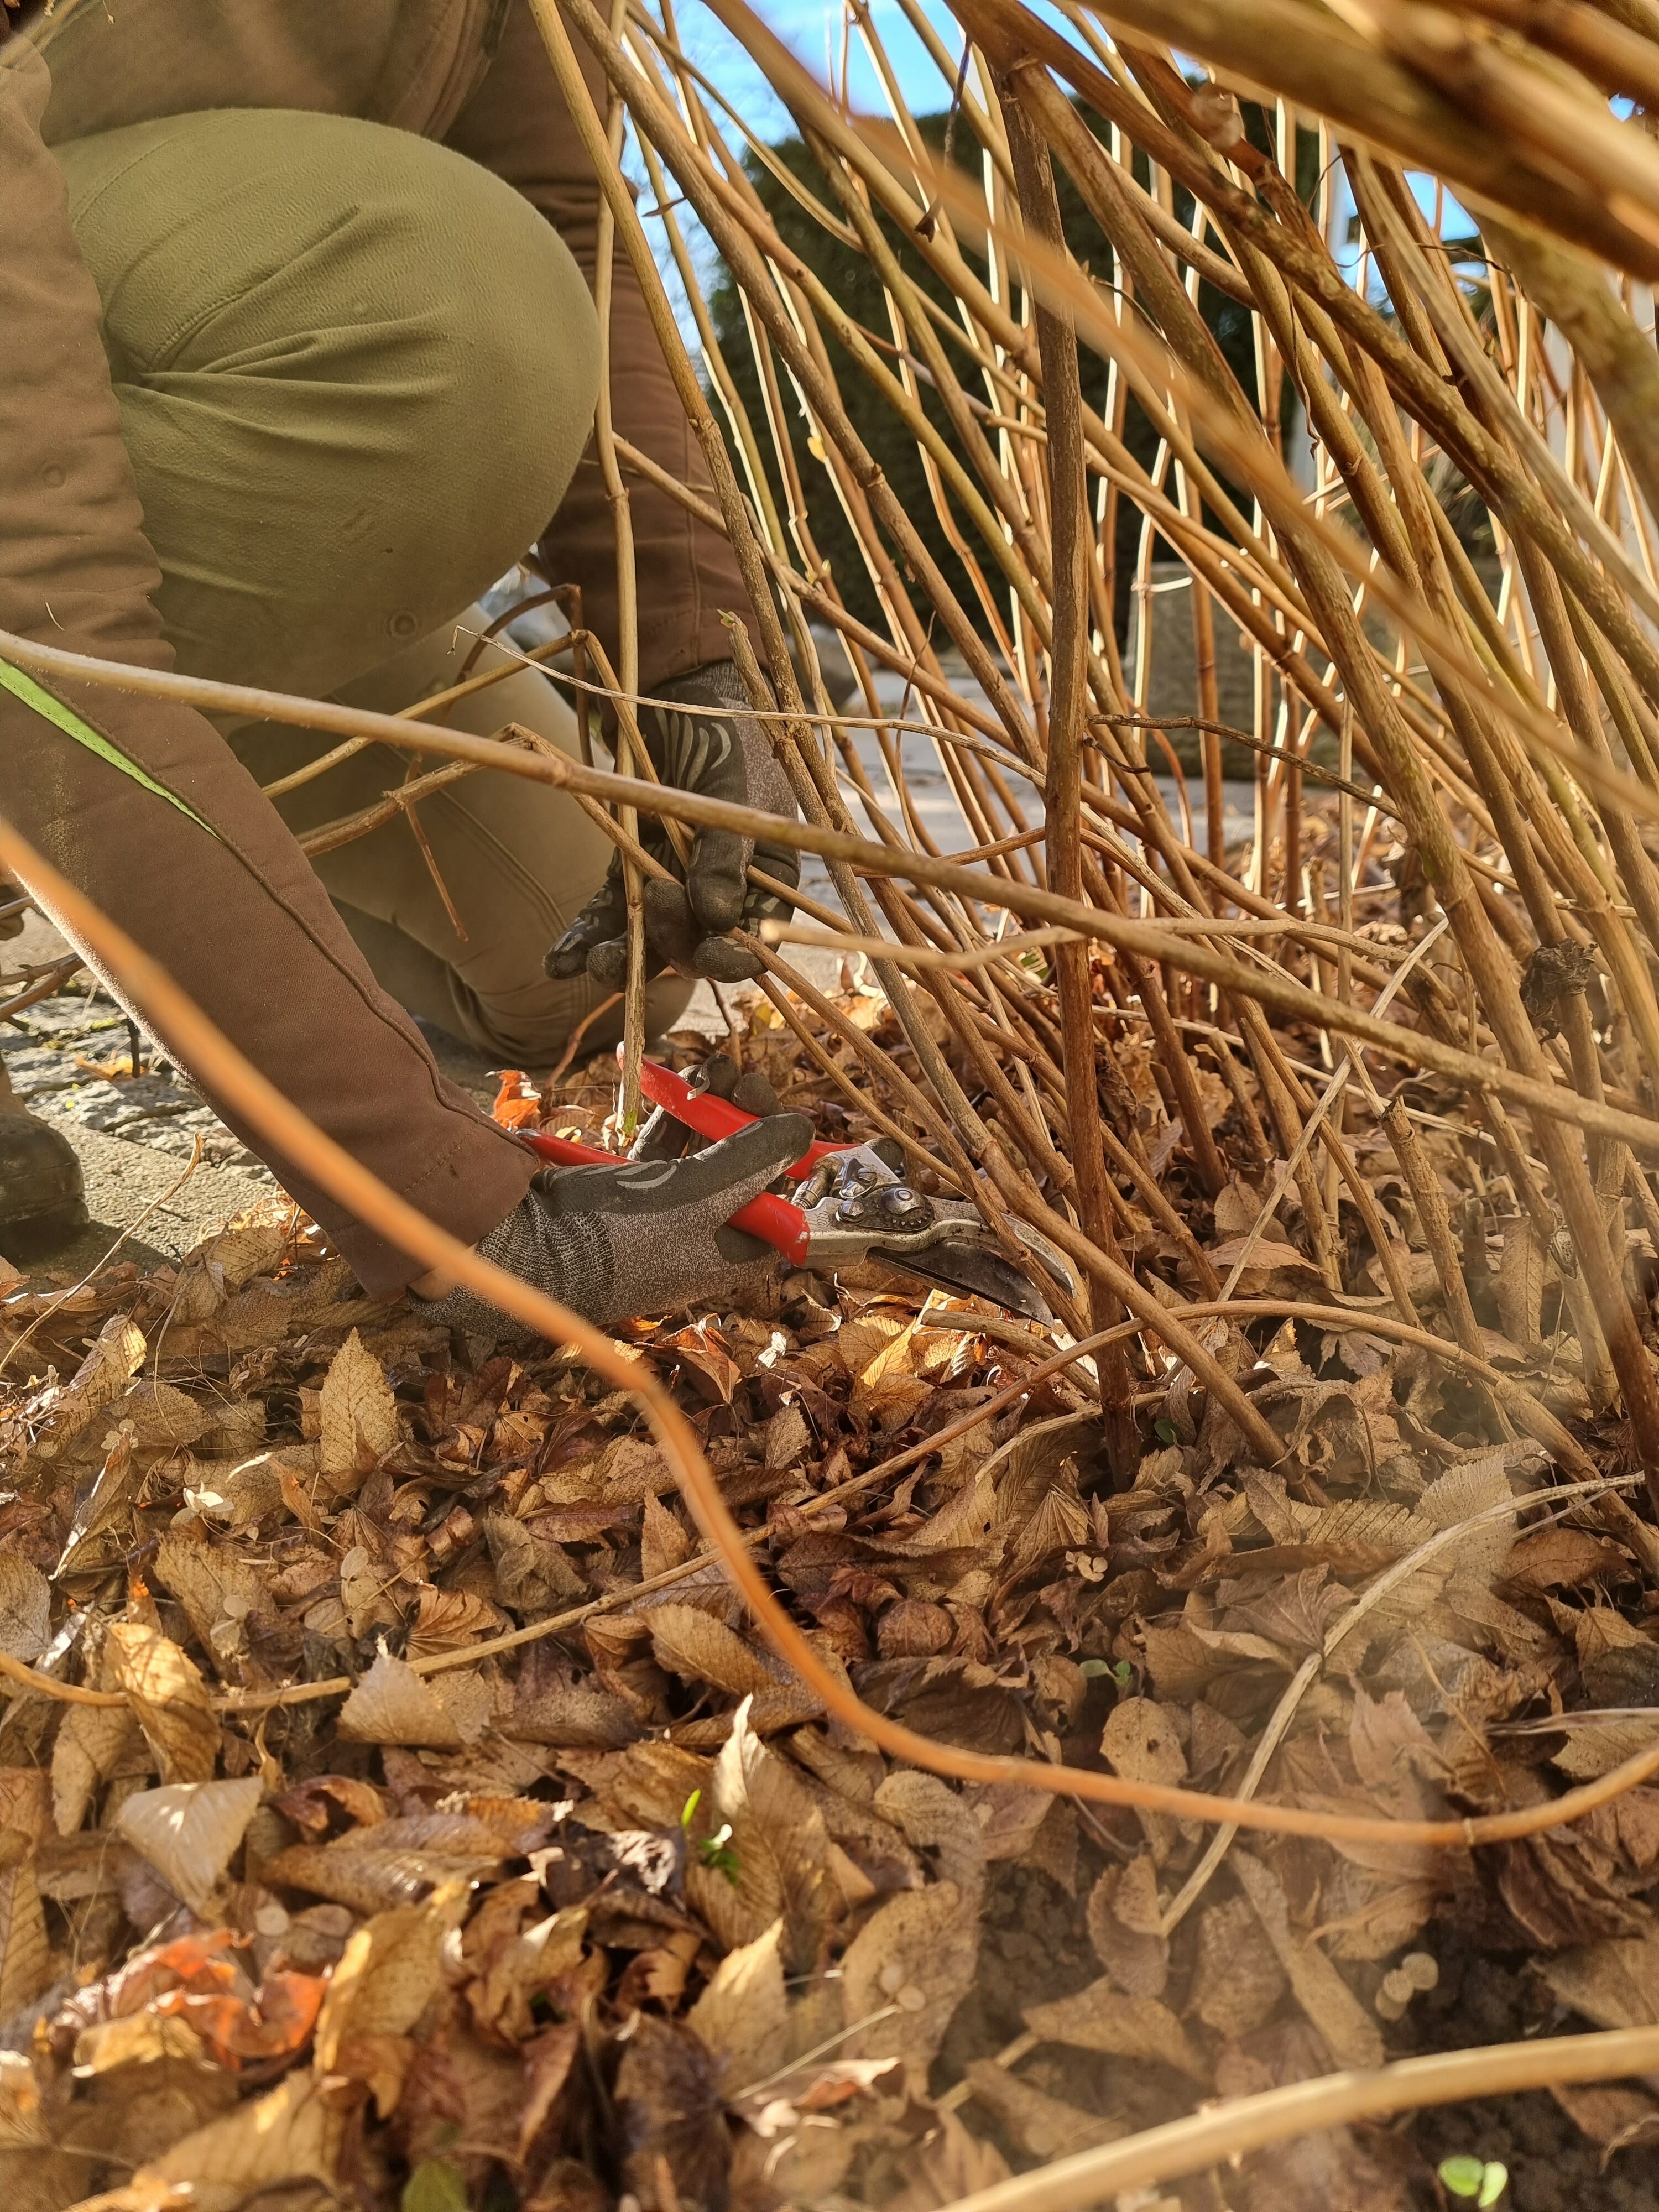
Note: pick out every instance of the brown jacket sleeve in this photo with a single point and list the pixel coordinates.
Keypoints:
(194, 863)
(517, 125)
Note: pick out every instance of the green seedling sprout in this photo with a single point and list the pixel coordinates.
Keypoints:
(1483, 2179)
(717, 1851)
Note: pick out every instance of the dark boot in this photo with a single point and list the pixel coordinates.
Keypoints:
(42, 1199)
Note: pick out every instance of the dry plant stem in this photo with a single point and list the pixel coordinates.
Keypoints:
(1147, 985)
(573, 1042)
(1317, 1125)
(1293, 247)
(1431, 1211)
(1284, 1108)
(866, 1107)
(1063, 784)
(1549, 120)
(628, 627)
(1492, 975)
(726, 218)
(817, 603)
(329, 836)
(44, 987)
(1222, 2133)
(821, 802)
(990, 953)
(1117, 1281)
(1152, 1196)
(882, 1063)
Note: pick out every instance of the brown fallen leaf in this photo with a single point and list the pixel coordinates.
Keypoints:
(548, 2060)
(670, 2118)
(742, 2014)
(516, 1958)
(394, 1705)
(390, 1973)
(448, 1620)
(25, 1950)
(236, 1255)
(1616, 1984)
(114, 1357)
(24, 1607)
(913, 1960)
(102, 1522)
(189, 1831)
(1564, 1558)
(25, 2124)
(1619, 1665)
(217, 1585)
(1271, 1266)
(1519, 1285)
(1352, 2032)
(1141, 1742)
(291, 2135)
(462, 2103)
(309, 1805)
(359, 1416)
(1616, 2117)
(1008, 1816)
(1237, 1980)
(1101, 2018)
(1126, 1927)
(781, 1847)
(147, 2039)
(532, 1575)
(948, 2164)
(169, 1698)
(1333, 2170)
(1595, 1749)
(393, 1864)
(693, 1644)
(929, 1812)
(46, 2180)
(648, 1785)
(93, 1743)
(1043, 2127)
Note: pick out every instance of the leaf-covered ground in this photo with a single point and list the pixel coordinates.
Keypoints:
(422, 1824)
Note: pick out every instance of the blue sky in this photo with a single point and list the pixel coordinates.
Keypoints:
(813, 27)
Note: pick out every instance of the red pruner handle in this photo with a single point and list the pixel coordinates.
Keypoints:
(715, 1117)
(773, 1219)
(776, 1223)
(565, 1151)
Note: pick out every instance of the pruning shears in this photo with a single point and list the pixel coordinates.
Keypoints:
(850, 1203)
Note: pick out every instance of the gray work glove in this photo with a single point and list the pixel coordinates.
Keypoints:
(723, 757)
(644, 1238)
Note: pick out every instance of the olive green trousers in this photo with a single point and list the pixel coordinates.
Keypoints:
(330, 343)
